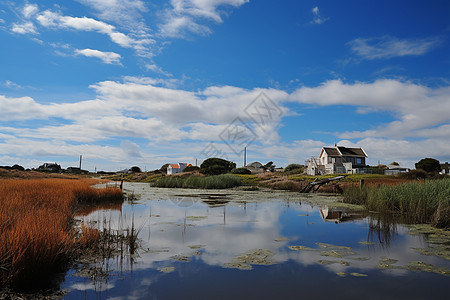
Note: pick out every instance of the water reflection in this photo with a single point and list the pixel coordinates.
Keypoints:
(170, 235)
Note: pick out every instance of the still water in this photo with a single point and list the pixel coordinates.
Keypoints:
(197, 244)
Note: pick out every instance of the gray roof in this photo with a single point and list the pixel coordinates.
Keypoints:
(344, 151)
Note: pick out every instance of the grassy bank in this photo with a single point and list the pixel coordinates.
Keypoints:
(37, 239)
(422, 202)
(199, 182)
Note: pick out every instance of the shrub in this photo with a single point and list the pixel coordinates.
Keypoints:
(191, 169)
(292, 167)
(216, 166)
(242, 171)
(135, 169)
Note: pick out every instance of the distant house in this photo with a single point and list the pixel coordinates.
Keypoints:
(176, 168)
(255, 167)
(49, 167)
(445, 168)
(395, 170)
(337, 160)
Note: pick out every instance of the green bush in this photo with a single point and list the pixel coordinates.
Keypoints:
(242, 171)
(292, 167)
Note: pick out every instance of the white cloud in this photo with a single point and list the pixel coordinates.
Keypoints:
(148, 108)
(30, 10)
(24, 28)
(126, 13)
(55, 20)
(106, 57)
(12, 85)
(417, 107)
(185, 15)
(387, 47)
(317, 18)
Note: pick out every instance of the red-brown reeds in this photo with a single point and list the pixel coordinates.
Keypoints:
(37, 239)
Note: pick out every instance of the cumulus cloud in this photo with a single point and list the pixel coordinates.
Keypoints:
(148, 109)
(106, 57)
(25, 28)
(388, 47)
(184, 16)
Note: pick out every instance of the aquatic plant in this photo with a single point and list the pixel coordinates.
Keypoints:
(422, 202)
(37, 239)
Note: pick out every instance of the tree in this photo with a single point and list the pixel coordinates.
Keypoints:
(394, 163)
(135, 169)
(216, 166)
(429, 165)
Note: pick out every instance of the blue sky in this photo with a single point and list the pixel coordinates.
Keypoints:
(144, 83)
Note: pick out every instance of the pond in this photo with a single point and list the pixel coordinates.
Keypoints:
(231, 244)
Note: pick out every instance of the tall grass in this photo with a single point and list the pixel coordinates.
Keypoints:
(200, 182)
(427, 202)
(37, 239)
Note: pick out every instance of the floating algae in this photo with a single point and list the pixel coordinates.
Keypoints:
(342, 274)
(331, 246)
(367, 243)
(238, 266)
(181, 258)
(424, 267)
(300, 248)
(252, 257)
(358, 274)
(387, 263)
(166, 269)
(437, 239)
(330, 262)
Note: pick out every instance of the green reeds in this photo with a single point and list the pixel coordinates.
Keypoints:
(200, 182)
(422, 202)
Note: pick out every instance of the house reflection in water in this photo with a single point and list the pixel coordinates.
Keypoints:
(338, 215)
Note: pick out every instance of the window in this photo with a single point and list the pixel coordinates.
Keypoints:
(359, 161)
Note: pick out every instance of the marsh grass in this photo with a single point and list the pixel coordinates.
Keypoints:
(200, 182)
(37, 239)
(422, 202)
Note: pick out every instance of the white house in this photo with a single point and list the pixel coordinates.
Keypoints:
(395, 170)
(176, 168)
(337, 160)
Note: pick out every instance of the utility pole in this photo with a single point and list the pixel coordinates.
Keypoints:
(80, 160)
(245, 156)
